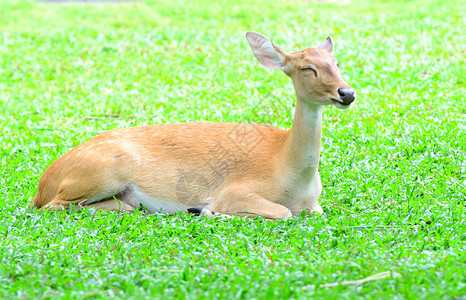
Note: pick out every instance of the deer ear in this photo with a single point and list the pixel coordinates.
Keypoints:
(327, 45)
(269, 55)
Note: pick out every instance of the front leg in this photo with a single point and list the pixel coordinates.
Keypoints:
(236, 201)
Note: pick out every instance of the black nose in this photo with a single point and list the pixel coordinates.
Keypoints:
(347, 95)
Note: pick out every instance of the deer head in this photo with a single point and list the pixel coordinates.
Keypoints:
(314, 71)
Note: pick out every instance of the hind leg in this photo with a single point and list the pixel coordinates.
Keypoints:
(111, 205)
(99, 194)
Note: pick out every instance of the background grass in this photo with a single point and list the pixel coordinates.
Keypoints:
(393, 166)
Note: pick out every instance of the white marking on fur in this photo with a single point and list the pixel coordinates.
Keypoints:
(136, 196)
(307, 193)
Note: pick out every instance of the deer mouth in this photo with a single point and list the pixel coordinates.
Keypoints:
(339, 103)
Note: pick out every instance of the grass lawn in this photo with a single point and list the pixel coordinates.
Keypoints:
(393, 166)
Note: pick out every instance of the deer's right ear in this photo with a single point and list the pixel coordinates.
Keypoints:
(269, 55)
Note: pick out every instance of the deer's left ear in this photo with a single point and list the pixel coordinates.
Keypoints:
(269, 55)
(327, 45)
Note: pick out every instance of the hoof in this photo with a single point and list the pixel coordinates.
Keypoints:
(201, 211)
(317, 209)
(195, 210)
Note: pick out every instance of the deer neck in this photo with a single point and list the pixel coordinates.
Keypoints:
(302, 150)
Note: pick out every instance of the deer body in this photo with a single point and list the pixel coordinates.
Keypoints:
(228, 168)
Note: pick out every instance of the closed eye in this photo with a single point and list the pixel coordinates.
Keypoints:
(310, 68)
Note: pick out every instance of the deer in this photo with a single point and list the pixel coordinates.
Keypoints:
(210, 168)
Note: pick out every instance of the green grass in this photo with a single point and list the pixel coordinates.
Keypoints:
(393, 166)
